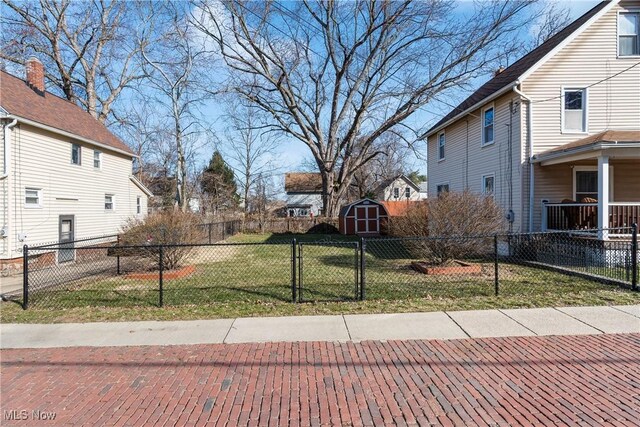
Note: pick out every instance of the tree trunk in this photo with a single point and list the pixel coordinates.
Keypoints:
(330, 205)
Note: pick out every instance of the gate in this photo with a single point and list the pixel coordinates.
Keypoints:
(328, 271)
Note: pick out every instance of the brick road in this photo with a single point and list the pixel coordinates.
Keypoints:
(571, 380)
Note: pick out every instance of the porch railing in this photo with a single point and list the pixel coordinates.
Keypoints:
(584, 216)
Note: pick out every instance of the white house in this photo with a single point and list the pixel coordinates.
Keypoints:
(304, 194)
(397, 188)
(555, 137)
(64, 175)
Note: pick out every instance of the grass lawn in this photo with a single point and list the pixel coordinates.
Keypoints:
(255, 280)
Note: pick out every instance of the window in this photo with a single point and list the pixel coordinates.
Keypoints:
(487, 126)
(488, 184)
(574, 110)
(586, 185)
(396, 193)
(109, 202)
(32, 197)
(442, 188)
(629, 33)
(407, 192)
(138, 205)
(441, 142)
(97, 159)
(75, 154)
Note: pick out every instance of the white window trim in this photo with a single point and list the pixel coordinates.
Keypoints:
(630, 10)
(99, 159)
(585, 108)
(483, 143)
(113, 202)
(79, 154)
(442, 183)
(138, 205)
(482, 186)
(440, 159)
(592, 169)
(30, 206)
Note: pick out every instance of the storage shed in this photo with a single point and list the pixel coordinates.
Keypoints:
(363, 218)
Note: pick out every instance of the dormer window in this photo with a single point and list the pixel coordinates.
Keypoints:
(629, 33)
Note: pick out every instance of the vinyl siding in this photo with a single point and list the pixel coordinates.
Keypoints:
(466, 161)
(401, 185)
(588, 59)
(42, 159)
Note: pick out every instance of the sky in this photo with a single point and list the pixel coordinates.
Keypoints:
(293, 155)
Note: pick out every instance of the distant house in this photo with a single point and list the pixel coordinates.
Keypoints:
(424, 190)
(555, 137)
(64, 175)
(304, 194)
(397, 188)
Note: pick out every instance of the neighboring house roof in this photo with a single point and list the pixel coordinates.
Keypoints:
(399, 207)
(141, 186)
(21, 101)
(387, 182)
(514, 72)
(606, 137)
(302, 182)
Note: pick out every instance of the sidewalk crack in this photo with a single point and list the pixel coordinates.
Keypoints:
(581, 321)
(519, 323)
(224, 341)
(347, 327)
(457, 324)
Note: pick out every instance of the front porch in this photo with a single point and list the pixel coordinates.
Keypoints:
(591, 184)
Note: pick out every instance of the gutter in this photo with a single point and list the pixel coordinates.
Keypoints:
(475, 106)
(577, 150)
(71, 135)
(530, 149)
(6, 146)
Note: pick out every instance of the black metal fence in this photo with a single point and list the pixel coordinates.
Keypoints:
(337, 268)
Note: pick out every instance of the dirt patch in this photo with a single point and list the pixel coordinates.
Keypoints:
(213, 253)
(166, 275)
(452, 267)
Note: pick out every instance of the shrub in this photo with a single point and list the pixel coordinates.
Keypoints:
(164, 228)
(446, 226)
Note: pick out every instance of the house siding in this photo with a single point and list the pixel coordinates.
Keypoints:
(588, 59)
(42, 159)
(401, 185)
(613, 104)
(467, 161)
(314, 200)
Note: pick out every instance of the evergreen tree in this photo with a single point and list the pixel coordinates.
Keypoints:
(218, 184)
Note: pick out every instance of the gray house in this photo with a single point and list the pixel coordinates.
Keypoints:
(304, 194)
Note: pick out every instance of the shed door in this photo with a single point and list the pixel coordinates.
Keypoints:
(367, 219)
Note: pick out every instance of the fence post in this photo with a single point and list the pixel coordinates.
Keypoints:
(118, 257)
(363, 267)
(294, 272)
(224, 229)
(634, 257)
(160, 277)
(25, 277)
(209, 227)
(495, 264)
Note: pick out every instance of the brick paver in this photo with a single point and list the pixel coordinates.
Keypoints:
(567, 380)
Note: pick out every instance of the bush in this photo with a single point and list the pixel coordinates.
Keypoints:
(164, 228)
(446, 226)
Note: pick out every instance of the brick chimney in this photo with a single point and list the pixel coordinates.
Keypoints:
(35, 75)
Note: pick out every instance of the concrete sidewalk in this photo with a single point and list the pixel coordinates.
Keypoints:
(405, 326)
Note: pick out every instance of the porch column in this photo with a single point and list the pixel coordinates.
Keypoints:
(603, 197)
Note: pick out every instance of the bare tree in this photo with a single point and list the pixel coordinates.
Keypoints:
(554, 16)
(333, 74)
(174, 61)
(86, 46)
(249, 145)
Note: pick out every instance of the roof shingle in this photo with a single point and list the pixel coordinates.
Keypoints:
(18, 99)
(302, 182)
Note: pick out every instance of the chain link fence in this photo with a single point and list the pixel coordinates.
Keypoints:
(102, 272)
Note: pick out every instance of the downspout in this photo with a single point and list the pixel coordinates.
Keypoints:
(6, 147)
(530, 151)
